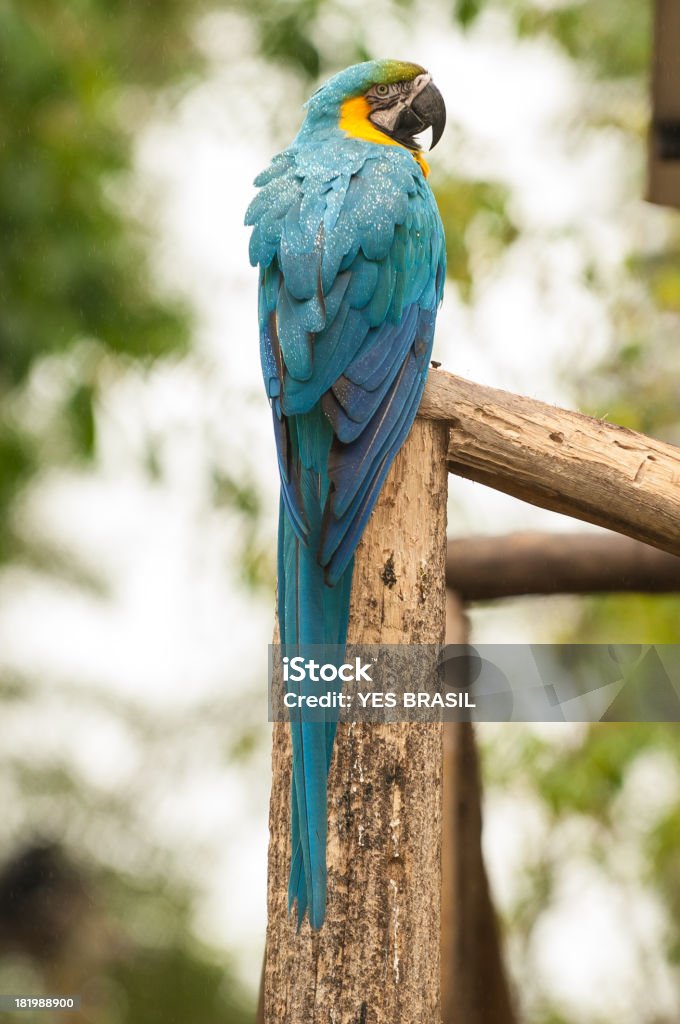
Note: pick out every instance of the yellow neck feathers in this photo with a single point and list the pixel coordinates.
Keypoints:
(354, 120)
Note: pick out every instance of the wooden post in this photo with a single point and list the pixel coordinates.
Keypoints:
(457, 632)
(377, 958)
(475, 987)
(663, 184)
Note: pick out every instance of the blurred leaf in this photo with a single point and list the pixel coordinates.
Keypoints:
(611, 37)
(255, 559)
(80, 410)
(477, 225)
(178, 984)
(467, 11)
(72, 265)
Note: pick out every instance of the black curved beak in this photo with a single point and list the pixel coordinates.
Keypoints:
(429, 108)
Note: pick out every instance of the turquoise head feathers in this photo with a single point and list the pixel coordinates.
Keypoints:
(388, 101)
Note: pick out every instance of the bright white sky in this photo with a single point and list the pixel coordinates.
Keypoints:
(178, 627)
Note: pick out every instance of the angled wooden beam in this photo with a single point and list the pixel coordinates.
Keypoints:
(560, 460)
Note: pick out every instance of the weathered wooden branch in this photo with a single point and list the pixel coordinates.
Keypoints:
(481, 568)
(560, 460)
(377, 958)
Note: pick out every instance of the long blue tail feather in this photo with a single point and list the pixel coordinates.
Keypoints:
(312, 616)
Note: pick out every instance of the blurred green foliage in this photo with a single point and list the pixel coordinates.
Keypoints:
(125, 936)
(257, 559)
(611, 38)
(177, 984)
(584, 788)
(477, 224)
(74, 272)
(124, 947)
(77, 80)
(167, 976)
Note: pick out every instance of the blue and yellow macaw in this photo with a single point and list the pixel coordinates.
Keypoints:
(350, 247)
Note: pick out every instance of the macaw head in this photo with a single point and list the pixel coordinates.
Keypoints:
(389, 98)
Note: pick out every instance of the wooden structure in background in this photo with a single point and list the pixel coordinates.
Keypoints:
(475, 988)
(519, 564)
(664, 138)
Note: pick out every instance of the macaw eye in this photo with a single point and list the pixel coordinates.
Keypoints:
(382, 90)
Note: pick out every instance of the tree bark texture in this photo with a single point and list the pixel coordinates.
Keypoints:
(516, 564)
(377, 958)
(560, 460)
